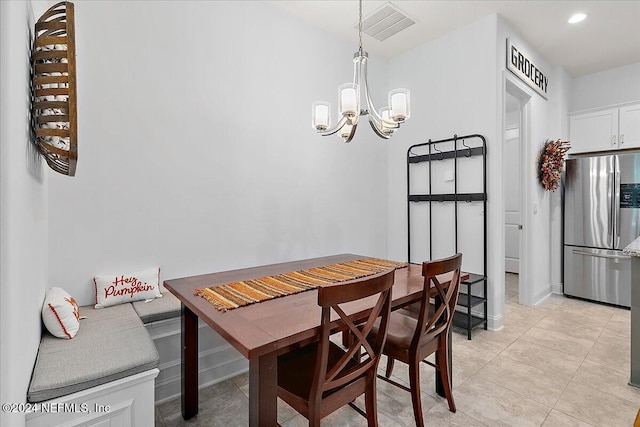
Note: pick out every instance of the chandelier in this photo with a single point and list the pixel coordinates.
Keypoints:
(383, 122)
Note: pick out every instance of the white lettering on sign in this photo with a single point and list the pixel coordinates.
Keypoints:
(519, 64)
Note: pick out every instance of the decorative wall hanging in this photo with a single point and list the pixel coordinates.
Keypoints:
(53, 60)
(551, 162)
(522, 65)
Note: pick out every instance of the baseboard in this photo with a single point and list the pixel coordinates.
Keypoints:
(512, 265)
(209, 372)
(541, 295)
(495, 323)
(557, 289)
(217, 360)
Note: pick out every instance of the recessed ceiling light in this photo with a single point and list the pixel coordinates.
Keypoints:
(578, 17)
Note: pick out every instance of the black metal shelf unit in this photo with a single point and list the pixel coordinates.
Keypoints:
(467, 301)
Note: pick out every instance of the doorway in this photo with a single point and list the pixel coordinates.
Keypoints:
(512, 195)
(516, 187)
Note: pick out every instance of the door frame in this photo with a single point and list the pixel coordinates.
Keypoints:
(517, 89)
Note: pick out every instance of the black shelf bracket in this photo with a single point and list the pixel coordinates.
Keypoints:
(460, 197)
(443, 155)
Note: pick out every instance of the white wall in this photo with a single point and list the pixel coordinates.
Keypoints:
(613, 86)
(453, 90)
(23, 213)
(547, 120)
(457, 83)
(196, 151)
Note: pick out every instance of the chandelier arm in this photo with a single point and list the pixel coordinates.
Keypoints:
(354, 120)
(356, 70)
(367, 95)
(376, 130)
(352, 134)
(379, 120)
(372, 108)
(336, 128)
(382, 123)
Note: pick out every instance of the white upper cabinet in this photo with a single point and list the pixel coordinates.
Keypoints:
(629, 126)
(605, 130)
(594, 131)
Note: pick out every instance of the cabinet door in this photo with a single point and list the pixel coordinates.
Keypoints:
(597, 131)
(630, 126)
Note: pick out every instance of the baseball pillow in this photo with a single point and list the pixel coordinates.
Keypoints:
(120, 288)
(60, 313)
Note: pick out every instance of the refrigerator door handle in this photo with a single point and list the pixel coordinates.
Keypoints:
(616, 207)
(612, 208)
(577, 252)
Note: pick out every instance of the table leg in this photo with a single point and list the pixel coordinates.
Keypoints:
(189, 363)
(263, 390)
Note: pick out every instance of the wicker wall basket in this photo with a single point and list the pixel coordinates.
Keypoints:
(54, 88)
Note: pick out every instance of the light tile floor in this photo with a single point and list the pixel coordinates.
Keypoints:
(564, 362)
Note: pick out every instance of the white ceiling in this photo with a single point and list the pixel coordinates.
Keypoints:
(608, 38)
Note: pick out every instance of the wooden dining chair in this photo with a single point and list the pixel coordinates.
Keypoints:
(321, 377)
(411, 339)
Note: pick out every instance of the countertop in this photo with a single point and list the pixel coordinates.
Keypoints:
(633, 249)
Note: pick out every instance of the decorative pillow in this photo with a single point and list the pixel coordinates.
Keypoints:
(120, 288)
(60, 313)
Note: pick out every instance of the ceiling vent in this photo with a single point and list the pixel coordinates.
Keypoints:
(385, 22)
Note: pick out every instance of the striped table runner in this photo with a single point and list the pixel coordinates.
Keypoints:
(238, 294)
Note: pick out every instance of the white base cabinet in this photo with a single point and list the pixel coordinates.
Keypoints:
(127, 402)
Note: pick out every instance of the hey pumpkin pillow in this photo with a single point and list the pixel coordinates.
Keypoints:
(60, 313)
(121, 288)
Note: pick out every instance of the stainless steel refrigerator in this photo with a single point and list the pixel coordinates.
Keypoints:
(601, 217)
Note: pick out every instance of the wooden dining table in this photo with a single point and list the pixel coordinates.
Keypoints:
(262, 331)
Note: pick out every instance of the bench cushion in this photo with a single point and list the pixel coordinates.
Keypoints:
(163, 308)
(112, 343)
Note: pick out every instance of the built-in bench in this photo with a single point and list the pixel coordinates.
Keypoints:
(167, 307)
(106, 372)
(126, 357)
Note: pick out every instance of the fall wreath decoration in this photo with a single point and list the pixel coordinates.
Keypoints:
(551, 162)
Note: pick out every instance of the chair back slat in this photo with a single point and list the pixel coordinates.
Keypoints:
(361, 357)
(438, 322)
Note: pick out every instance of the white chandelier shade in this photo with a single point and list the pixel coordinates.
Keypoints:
(384, 122)
(349, 99)
(321, 113)
(399, 104)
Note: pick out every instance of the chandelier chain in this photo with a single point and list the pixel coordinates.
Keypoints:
(360, 25)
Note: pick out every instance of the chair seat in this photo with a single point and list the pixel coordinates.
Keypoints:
(296, 369)
(402, 327)
(401, 330)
